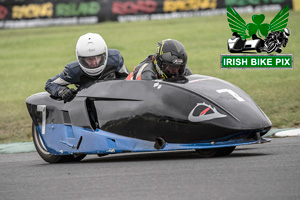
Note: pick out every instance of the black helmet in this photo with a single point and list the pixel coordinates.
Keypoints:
(170, 58)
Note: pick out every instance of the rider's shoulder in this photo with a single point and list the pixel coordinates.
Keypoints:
(113, 52)
(114, 58)
(73, 65)
(73, 68)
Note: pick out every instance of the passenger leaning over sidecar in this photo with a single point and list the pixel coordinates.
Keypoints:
(169, 61)
(94, 62)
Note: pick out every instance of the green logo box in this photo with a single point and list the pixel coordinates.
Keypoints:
(245, 61)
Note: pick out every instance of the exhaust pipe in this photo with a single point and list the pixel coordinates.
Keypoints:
(159, 143)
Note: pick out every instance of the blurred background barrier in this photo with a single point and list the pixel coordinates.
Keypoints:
(37, 13)
(296, 4)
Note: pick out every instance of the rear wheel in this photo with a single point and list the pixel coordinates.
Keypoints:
(101, 154)
(43, 152)
(215, 152)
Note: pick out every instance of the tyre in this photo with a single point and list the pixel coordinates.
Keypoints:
(101, 154)
(206, 153)
(46, 156)
(215, 152)
(225, 151)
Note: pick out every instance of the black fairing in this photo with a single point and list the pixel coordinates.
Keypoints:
(180, 111)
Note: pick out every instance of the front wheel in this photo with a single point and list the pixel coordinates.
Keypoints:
(215, 152)
(43, 152)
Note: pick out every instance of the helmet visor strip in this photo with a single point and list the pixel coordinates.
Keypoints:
(172, 70)
(92, 62)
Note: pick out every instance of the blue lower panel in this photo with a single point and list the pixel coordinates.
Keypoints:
(61, 139)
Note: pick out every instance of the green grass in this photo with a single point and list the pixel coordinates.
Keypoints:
(28, 57)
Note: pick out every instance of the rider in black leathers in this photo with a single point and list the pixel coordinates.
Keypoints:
(169, 61)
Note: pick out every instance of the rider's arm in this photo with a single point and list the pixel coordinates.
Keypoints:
(122, 72)
(148, 75)
(187, 71)
(59, 82)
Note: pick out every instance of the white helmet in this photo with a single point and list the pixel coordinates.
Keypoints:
(91, 44)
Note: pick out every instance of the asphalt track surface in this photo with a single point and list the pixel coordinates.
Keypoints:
(262, 171)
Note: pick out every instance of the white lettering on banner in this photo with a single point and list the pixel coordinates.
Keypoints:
(283, 61)
(48, 22)
(235, 61)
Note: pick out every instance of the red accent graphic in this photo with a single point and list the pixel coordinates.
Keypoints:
(204, 111)
(207, 113)
(131, 7)
(3, 12)
(129, 77)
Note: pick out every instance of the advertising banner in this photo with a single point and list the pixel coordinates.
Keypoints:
(36, 13)
(167, 9)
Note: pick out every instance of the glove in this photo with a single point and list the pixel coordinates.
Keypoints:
(67, 94)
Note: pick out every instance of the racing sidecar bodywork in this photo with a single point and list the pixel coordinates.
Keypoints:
(196, 112)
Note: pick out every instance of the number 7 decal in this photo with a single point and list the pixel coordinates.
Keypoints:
(232, 93)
